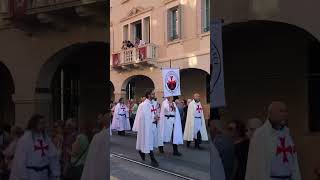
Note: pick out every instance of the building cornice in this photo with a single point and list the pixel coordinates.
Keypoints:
(136, 11)
(165, 2)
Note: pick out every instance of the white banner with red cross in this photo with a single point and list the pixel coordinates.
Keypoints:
(171, 82)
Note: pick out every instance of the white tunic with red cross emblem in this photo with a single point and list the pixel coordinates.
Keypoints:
(197, 118)
(36, 158)
(195, 122)
(283, 161)
(145, 125)
(120, 119)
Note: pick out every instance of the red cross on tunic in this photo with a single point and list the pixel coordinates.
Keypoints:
(199, 108)
(283, 149)
(153, 110)
(41, 147)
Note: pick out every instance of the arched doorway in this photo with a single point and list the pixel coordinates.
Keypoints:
(266, 61)
(7, 107)
(195, 81)
(111, 91)
(76, 77)
(135, 86)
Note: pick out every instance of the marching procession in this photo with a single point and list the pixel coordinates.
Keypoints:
(157, 125)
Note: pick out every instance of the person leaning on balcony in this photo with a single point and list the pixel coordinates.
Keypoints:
(142, 43)
(129, 44)
(124, 45)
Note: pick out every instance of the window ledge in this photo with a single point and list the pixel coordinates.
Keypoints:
(204, 34)
(124, 1)
(176, 41)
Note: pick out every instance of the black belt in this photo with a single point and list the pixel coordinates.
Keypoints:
(155, 122)
(38, 169)
(281, 177)
(198, 117)
(121, 114)
(169, 116)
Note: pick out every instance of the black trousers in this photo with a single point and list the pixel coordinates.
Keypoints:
(197, 141)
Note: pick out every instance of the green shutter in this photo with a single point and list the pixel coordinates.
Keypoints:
(180, 21)
(169, 24)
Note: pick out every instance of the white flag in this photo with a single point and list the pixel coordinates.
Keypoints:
(217, 91)
(171, 82)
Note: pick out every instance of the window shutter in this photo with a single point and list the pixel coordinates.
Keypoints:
(208, 15)
(169, 24)
(179, 16)
(203, 14)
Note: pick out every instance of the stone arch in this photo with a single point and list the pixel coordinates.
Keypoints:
(7, 89)
(112, 89)
(194, 80)
(142, 83)
(266, 61)
(85, 62)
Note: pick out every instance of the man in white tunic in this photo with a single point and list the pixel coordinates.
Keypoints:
(97, 165)
(195, 128)
(170, 126)
(272, 153)
(36, 157)
(145, 125)
(120, 121)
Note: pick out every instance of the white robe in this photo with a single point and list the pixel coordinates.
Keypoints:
(165, 126)
(120, 119)
(189, 131)
(262, 149)
(145, 128)
(97, 163)
(26, 155)
(216, 166)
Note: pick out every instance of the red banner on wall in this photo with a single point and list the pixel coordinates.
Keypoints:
(17, 8)
(142, 53)
(115, 59)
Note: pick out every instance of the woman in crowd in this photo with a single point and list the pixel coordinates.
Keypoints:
(16, 133)
(237, 131)
(79, 151)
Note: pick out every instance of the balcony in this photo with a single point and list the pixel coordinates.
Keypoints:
(56, 12)
(135, 58)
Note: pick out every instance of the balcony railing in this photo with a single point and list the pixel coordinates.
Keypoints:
(147, 53)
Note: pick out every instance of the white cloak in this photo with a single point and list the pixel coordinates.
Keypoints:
(97, 162)
(120, 123)
(164, 136)
(216, 166)
(261, 151)
(189, 127)
(144, 127)
(26, 156)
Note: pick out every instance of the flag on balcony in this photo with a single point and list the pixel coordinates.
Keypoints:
(142, 53)
(171, 82)
(217, 91)
(17, 8)
(115, 59)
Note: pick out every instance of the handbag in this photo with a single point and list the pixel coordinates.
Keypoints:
(74, 172)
